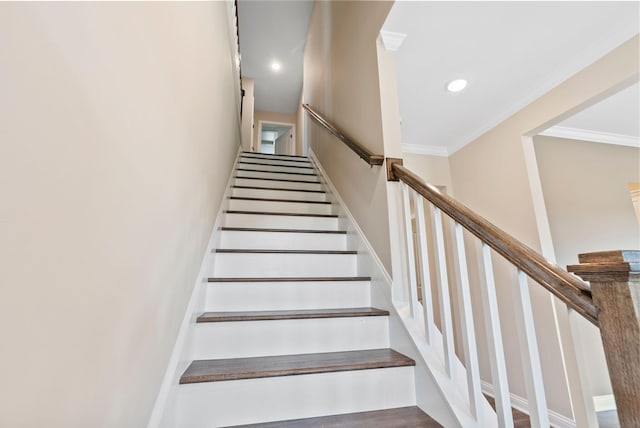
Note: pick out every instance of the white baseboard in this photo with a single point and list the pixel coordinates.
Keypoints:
(522, 404)
(197, 297)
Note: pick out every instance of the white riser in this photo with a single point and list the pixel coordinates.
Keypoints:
(273, 157)
(276, 162)
(247, 265)
(284, 337)
(279, 194)
(282, 296)
(275, 183)
(280, 221)
(282, 240)
(215, 404)
(276, 168)
(276, 175)
(279, 207)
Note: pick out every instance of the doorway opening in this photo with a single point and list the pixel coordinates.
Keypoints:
(276, 138)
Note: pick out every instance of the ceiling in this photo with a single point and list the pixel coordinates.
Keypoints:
(274, 31)
(510, 52)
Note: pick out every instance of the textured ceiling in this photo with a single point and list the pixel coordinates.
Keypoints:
(274, 30)
(511, 53)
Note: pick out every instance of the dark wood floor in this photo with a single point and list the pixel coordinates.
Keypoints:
(290, 315)
(520, 420)
(403, 417)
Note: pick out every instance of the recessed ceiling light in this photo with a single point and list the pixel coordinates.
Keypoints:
(275, 66)
(456, 85)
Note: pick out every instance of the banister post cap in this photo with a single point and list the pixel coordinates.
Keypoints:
(608, 266)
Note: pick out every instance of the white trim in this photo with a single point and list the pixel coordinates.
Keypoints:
(199, 288)
(392, 41)
(602, 403)
(520, 403)
(419, 149)
(595, 136)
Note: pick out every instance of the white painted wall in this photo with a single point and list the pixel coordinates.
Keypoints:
(119, 129)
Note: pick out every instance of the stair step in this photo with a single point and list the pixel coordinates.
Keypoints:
(282, 239)
(284, 206)
(280, 220)
(277, 182)
(289, 315)
(267, 294)
(269, 156)
(401, 417)
(275, 162)
(264, 166)
(278, 193)
(289, 365)
(299, 201)
(257, 173)
(261, 251)
(243, 334)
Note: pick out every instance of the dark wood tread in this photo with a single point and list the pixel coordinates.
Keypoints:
(278, 179)
(290, 315)
(297, 201)
(274, 164)
(289, 365)
(258, 229)
(295, 279)
(289, 214)
(284, 189)
(400, 417)
(257, 251)
(276, 172)
(268, 156)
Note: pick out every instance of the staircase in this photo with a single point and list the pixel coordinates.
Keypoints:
(287, 337)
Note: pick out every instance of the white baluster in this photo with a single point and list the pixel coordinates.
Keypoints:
(411, 259)
(427, 299)
(530, 356)
(494, 342)
(443, 293)
(468, 332)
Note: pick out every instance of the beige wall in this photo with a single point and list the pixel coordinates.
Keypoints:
(269, 116)
(433, 169)
(247, 114)
(489, 175)
(589, 209)
(341, 82)
(118, 134)
(300, 129)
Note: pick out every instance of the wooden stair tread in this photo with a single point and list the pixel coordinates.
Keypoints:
(296, 201)
(275, 172)
(401, 417)
(289, 365)
(295, 279)
(274, 213)
(259, 229)
(269, 156)
(283, 189)
(260, 251)
(278, 179)
(274, 164)
(290, 315)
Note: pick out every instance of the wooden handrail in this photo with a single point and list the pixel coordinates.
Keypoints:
(368, 156)
(559, 282)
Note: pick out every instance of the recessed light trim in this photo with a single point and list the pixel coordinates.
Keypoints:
(457, 85)
(276, 66)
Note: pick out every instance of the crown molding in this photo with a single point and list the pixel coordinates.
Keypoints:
(595, 136)
(392, 41)
(419, 149)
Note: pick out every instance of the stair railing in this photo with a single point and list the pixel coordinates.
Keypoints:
(612, 302)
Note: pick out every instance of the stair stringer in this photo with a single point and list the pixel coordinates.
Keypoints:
(163, 414)
(449, 404)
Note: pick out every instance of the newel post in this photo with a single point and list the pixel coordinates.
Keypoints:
(615, 286)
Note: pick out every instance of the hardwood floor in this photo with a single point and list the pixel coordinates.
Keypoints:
(520, 420)
(290, 315)
(404, 417)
